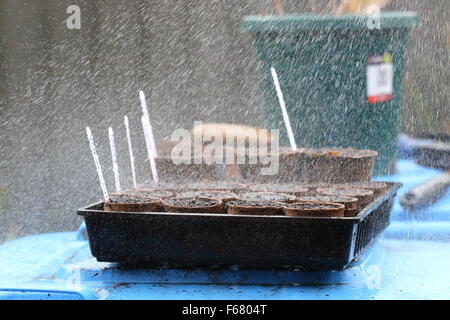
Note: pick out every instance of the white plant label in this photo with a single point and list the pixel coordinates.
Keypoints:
(380, 78)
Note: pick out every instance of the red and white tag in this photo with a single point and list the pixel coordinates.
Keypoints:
(380, 78)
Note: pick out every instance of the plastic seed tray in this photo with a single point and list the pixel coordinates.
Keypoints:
(190, 240)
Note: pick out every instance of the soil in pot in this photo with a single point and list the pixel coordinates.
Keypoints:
(213, 194)
(314, 209)
(351, 204)
(251, 207)
(192, 205)
(167, 186)
(294, 189)
(364, 196)
(151, 193)
(378, 188)
(312, 188)
(268, 196)
(215, 185)
(124, 202)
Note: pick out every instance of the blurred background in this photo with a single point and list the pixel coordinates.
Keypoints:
(192, 60)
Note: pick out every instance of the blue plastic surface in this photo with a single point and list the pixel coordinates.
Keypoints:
(411, 261)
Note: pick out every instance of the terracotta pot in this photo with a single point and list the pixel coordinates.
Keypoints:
(309, 166)
(334, 165)
(192, 205)
(130, 203)
(378, 188)
(249, 207)
(215, 185)
(314, 209)
(351, 204)
(364, 196)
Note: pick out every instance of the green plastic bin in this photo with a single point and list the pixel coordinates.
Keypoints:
(322, 64)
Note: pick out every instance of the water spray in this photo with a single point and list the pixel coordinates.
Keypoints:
(130, 150)
(283, 109)
(112, 143)
(97, 163)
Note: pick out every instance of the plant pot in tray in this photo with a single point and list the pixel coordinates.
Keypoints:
(364, 196)
(215, 185)
(351, 204)
(132, 203)
(192, 205)
(224, 196)
(252, 207)
(151, 193)
(378, 188)
(314, 209)
(268, 196)
(294, 189)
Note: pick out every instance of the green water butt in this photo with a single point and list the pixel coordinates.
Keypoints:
(322, 64)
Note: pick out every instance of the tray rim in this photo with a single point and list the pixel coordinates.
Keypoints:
(87, 211)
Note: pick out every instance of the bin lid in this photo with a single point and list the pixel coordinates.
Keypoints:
(308, 22)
